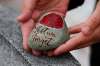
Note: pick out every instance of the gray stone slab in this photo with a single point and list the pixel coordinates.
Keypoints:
(11, 46)
(9, 56)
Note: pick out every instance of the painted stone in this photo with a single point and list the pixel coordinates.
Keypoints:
(49, 33)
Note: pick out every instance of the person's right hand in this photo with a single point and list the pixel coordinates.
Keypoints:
(32, 10)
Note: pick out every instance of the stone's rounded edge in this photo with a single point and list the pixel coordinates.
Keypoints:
(50, 47)
(45, 14)
(62, 39)
(52, 12)
(53, 20)
(55, 45)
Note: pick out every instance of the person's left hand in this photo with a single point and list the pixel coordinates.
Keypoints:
(32, 11)
(86, 34)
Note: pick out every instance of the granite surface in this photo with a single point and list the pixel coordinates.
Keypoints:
(11, 51)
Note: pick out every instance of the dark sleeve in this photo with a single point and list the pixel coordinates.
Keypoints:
(95, 55)
(75, 3)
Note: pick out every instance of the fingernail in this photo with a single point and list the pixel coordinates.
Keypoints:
(56, 54)
(36, 53)
(20, 18)
(27, 48)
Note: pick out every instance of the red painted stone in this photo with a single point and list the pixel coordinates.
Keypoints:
(52, 20)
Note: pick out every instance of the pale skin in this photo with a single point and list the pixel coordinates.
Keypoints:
(87, 33)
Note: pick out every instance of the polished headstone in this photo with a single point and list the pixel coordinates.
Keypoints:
(11, 45)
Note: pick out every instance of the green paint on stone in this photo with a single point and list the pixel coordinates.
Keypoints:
(45, 37)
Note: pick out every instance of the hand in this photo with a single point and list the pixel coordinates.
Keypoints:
(86, 34)
(31, 11)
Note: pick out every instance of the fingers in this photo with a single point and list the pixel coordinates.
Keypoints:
(27, 11)
(85, 36)
(26, 29)
(75, 29)
(36, 14)
(72, 44)
(93, 22)
(89, 26)
(84, 45)
(36, 53)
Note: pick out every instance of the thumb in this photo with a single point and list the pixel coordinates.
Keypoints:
(28, 7)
